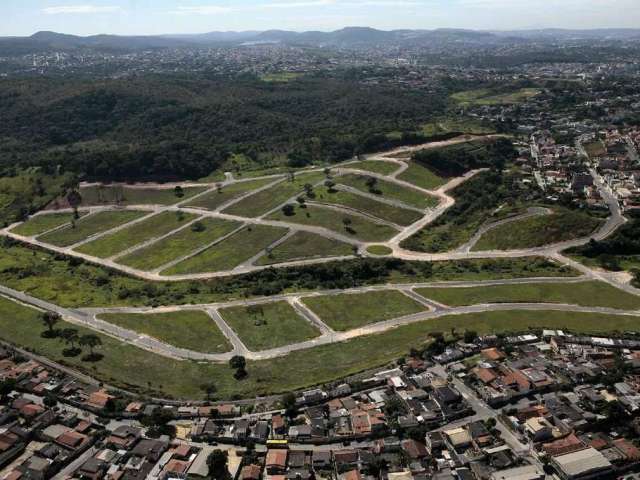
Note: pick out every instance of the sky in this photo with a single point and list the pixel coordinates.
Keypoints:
(151, 17)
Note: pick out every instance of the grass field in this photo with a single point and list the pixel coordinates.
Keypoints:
(179, 244)
(486, 96)
(375, 166)
(140, 232)
(587, 294)
(390, 191)
(190, 329)
(379, 250)
(360, 227)
(348, 311)
(456, 125)
(231, 252)
(280, 77)
(267, 326)
(390, 213)
(421, 177)
(90, 225)
(42, 223)
(595, 149)
(531, 232)
(305, 245)
(123, 195)
(136, 369)
(214, 200)
(263, 202)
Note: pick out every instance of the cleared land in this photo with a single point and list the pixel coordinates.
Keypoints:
(384, 211)
(348, 311)
(42, 223)
(422, 177)
(231, 252)
(457, 125)
(90, 225)
(190, 329)
(390, 190)
(136, 369)
(122, 195)
(595, 149)
(359, 227)
(375, 166)
(531, 232)
(305, 245)
(586, 294)
(272, 325)
(263, 202)
(179, 244)
(214, 200)
(485, 96)
(119, 241)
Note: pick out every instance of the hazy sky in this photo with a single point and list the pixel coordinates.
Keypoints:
(24, 17)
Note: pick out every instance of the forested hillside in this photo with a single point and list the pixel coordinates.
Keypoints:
(176, 127)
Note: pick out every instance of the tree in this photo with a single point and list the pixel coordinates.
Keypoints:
(70, 337)
(371, 183)
(346, 221)
(75, 200)
(50, 319)
(301, 201)
(210, 389)
(178, 191)
(217, 463)
(198, 227)
(91, 341)
(288, 209)
(308, 189)
(289, 404)
(470, 336)
(7, 386)
(329, 184)
(238, 361)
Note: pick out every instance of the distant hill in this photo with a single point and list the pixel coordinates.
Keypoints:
(349, 37)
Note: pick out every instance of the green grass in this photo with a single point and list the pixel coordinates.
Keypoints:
(189, 329)
(280, 77)
(267, 326)
(531, 232)
(140, 232)
(60, 280)
(90, 225)
(586, 294)
(214, 200)
(123, 195)
(486, 96)
(623, 262)
(379, 250)
(421, 177)
(305, 245)
(231, 252)
(348, 311)
(130, 367)
(375, 166)
(390, 213)
(42, 223)
(263, 202)
(457, 125)
(390, 191)
(360, 227)
(177, 245)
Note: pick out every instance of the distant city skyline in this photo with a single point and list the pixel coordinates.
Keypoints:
(153, 17)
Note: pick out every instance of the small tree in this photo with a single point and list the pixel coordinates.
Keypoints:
(330, 184)
(210, 389)
(75, 200)
(371, 183)
(91, 341)
(346, 221)
(178, 191)
(198, 227)
(301, 201)
(288, 209)
(70, 337)
(239, 363)
(50, 319)
(289, 404)
(217, 463)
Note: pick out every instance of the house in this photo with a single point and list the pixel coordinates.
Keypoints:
(276, 461)
(528, 472)
(583, 464)
(124, 437)
(250, 472)
(92, 469)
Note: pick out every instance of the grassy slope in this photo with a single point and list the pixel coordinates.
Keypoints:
(153, 227)
(134, 368)
(190, 329)
(376, 166)
(361, 228)
(231, 252)
(266, 200)
(588, 294)
(42, 223)
(391, 191)
(178, 244)
(348, 311)
(135, 196)
(268, 326)
(390, 213)
(304, 245)
(532, 232)
(422, 177)
(487, 97)
(90, 225)
(213, 200)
